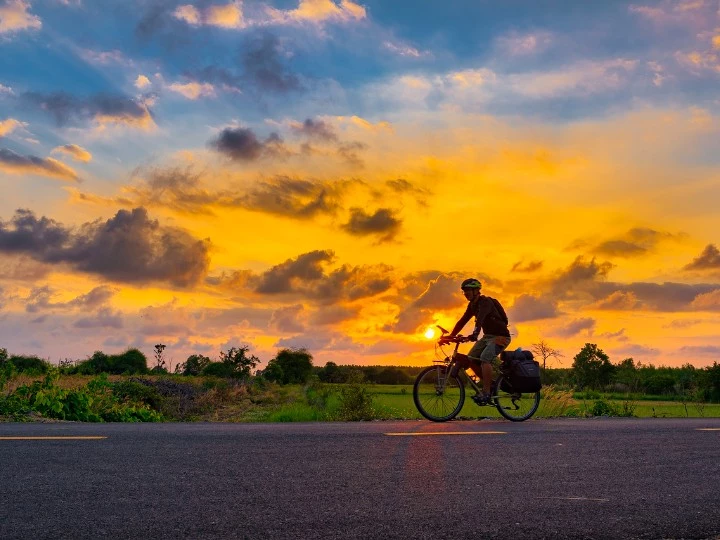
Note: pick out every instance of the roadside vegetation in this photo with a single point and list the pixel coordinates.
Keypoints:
(124, 388)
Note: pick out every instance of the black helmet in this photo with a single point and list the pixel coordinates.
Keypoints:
(471, 283)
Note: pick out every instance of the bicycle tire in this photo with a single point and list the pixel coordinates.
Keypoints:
(515, 406)
(432, 403)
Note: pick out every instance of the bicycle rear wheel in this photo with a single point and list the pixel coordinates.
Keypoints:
(438, 395)
(515, 406)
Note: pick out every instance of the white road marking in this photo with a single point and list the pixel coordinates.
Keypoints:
(52, 438)
(447, 433)
(708, 429)
(574, 499)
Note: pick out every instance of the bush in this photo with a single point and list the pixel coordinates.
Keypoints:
(93, 403)
(32, 365)
(356, 402)
(131, 362)
(218, 369)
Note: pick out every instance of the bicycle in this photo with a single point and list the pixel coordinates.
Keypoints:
(439, 395)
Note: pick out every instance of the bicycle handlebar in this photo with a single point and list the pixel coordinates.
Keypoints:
(455, 339)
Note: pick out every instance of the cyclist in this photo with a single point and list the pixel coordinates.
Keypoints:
(491, 319)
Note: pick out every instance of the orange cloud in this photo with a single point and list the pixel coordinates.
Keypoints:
(9, 125)
(318, 11)
(14, 16)
(226, 16)
(13, 163)
(78, 153)
(193, 90)
(142, 82)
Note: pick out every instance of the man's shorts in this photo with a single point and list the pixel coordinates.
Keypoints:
(488, 348)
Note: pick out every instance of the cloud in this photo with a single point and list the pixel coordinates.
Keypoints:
(664, 297)
(264, 68)
(103, 109)
(315, 129)
(633, 350)
(295, 198)
(241, 144)
(7, 90)
(193, 89)
(130, 247)
(517, 44)
(78, 153)
(364, 124)
(707, 302)
(619, 300)
(306, 276)
(40, 299)
(105, 57)
(530, 308)
(403, 49)
(709, 259)
(287, 319)
(9, 125)
(14, 16)
(104, 318)
(183, 190)
(333, 314)
(318, 11)
(307, 267)
(227, 16)
(142, 82)
(712, 351)
(575, 327)
(530, 266)
(579, 274)
(585, 78)
(382, 223)
(637, 241)
(13, 163)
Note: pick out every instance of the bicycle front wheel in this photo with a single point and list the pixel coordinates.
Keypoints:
(515, 406)
(438, 395)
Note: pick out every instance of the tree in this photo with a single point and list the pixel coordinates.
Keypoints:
(592, 367)
(159, 366)
(235, 363)
(194, 365)
(290, 366)
(544, 351)
(331, 373)
(627, 373)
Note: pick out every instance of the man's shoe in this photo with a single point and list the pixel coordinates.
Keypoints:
(482, 399)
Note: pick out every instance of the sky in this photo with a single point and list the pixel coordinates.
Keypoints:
(324, 174)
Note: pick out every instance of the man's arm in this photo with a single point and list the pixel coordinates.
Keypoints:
(463, 321)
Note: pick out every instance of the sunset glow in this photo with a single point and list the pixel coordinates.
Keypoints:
(324, 174)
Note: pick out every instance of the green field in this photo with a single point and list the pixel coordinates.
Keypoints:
(397, 401)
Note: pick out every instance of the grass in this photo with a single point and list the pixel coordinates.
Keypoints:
(220, 401)
(553, 403)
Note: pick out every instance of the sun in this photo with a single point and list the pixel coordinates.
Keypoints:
(429, 333)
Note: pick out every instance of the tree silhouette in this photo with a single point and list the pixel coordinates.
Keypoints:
(545, 351)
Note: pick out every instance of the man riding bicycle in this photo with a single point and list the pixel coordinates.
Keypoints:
(491, 319)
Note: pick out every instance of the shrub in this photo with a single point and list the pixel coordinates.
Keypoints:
(218, 369)
(131, 362)
(32, 365)
(356, 402)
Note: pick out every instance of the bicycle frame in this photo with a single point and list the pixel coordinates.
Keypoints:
(449, 361)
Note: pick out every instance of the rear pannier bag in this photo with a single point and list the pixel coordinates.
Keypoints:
(524, 371)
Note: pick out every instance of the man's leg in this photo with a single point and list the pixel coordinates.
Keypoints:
(496, 344)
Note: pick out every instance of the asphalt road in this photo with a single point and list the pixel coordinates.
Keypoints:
(599, 478)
